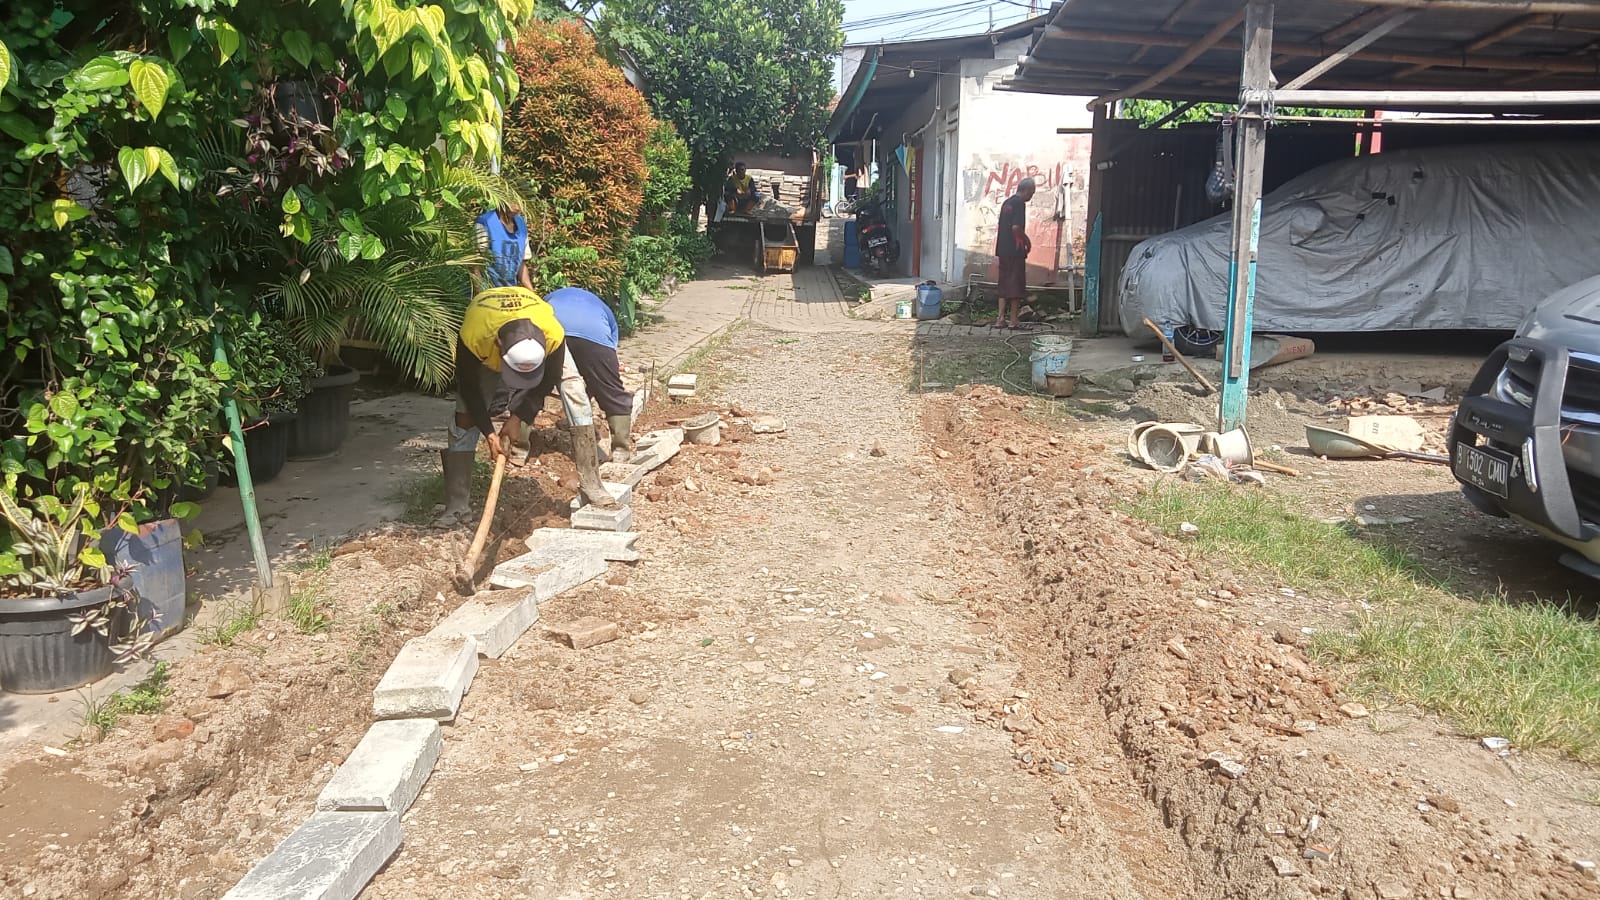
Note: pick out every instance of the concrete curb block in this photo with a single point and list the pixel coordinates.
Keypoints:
(331, 856)
(494, 622)
(621, 492)
(386, 771)
(427, 679)
(336, 852)
(615, 547)
(591, 519)
(549, 572)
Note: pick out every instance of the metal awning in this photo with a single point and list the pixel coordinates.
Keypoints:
(1189, 49)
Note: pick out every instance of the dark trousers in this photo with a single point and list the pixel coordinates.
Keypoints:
(602, 378)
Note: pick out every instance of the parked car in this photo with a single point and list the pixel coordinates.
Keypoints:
(1525, 442)
(1439, 238)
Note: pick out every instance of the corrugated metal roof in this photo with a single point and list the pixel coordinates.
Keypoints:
(1100, 47)
(893, 85)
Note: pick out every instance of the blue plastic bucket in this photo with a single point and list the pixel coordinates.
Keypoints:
(1050, 356)
(930, 301)
(156, 554)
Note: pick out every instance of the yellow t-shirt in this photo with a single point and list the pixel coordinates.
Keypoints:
(492, 309)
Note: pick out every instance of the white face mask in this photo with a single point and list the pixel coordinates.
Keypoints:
(524, 356)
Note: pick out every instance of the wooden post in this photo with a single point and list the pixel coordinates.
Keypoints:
(1099, 144)
(1255, 80)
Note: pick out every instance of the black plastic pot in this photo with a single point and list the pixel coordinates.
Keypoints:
(266, 442)
(39, 654)
(324, 415)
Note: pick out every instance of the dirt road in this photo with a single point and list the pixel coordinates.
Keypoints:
(788, 712)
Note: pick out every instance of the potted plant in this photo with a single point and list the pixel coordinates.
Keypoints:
(324, 414)
(275, 373)
(66, 618)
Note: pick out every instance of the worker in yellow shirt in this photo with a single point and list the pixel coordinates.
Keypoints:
(740, 190)
(511, 340)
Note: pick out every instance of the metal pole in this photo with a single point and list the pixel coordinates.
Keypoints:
(241, 460)
(1409, 99)
(1255, 77)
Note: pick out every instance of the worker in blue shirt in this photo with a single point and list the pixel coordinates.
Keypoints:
(592, 338)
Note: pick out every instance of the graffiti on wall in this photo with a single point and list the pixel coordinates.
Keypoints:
(986, 183)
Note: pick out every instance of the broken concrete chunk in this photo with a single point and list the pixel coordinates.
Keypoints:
(331, 856)
(386, 771)
(589, 631)
(764, 423)
(426, 680)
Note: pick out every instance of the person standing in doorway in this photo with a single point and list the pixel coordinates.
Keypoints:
(1011, 247)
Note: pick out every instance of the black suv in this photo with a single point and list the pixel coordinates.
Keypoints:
(1526, 441)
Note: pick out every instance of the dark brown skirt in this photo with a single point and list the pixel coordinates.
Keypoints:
(1013, 277)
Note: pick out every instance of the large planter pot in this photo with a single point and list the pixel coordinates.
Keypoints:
(155, 553)
(266, 442)
(39, 654)
(324, 415)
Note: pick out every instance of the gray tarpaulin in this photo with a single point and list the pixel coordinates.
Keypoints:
(1460, 237)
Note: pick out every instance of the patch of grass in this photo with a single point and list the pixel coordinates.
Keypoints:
(146, 698)
(422, 494)
(979, 365)
(305, 611)
(226, 632)
(1104, 409)
(1520, 671)
(1254, 527)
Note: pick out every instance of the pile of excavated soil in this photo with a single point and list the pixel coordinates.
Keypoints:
(1220, 725)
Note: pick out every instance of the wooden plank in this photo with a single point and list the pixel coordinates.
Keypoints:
(1193, 52)
(1395, 20)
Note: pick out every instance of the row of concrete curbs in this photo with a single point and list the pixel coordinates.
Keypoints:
(356, 829)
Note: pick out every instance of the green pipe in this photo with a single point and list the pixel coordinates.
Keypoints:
(855, 99)
(241, 465)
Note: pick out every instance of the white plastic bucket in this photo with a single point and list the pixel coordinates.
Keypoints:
(1051, 355)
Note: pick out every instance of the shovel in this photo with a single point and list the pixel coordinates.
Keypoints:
(466, 575)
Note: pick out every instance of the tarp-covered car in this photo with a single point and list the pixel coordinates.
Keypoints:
(1525, 442)
(1443, 238)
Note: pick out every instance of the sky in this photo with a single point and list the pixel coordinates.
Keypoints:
(871, 21)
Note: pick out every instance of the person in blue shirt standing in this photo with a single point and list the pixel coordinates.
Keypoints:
(592, 337)
(503, 237)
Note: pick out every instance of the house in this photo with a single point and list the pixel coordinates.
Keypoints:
(931, 118)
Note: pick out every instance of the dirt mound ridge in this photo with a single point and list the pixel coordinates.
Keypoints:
(1219, 724)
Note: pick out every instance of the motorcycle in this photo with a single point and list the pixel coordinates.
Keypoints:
(879, 249)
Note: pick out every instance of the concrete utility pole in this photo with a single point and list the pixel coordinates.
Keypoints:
(1255, 84)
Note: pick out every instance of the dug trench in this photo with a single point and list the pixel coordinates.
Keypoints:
(1234, 737)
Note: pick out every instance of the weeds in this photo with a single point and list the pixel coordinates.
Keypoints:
(305, 611)
(381, 617)
(243, 618)
(698, 360)
(146, 698)
(1520, 671)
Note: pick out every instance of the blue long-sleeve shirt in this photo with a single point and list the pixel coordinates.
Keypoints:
(584, 315)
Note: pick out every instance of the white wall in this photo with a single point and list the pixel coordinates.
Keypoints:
(1005, 137)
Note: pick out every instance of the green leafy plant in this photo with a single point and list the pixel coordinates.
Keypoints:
(146, 698)
(56, 555)
(274, 372)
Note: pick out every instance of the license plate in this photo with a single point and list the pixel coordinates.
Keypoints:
(877, 242)
(1485, 469)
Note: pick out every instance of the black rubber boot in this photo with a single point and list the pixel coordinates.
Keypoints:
(621, 437)
(458, 465)
(586, 456)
